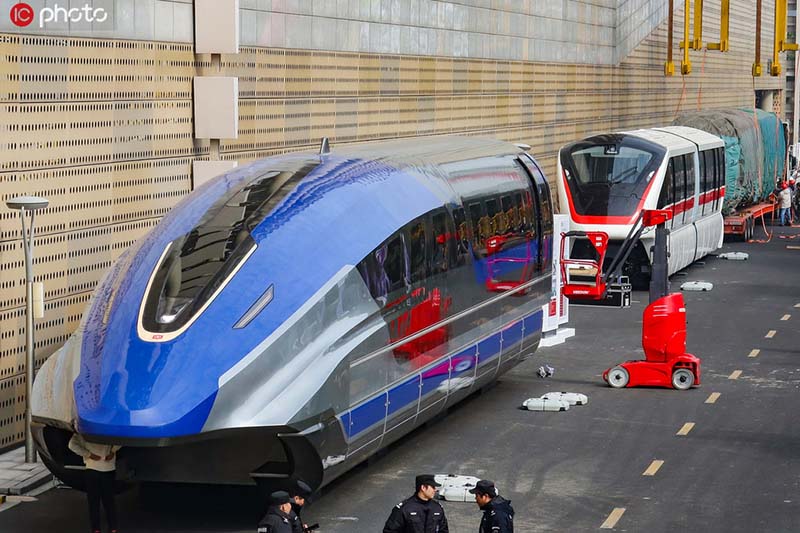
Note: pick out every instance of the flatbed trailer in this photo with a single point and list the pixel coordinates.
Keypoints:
(742, 222)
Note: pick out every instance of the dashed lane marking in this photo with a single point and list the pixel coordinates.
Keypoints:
(771, 333)
(797, 306)
(713, 398)
(784, 318)
(653, 468)
(754, 352)
(613, 518)
(735, 374)
(687, 427)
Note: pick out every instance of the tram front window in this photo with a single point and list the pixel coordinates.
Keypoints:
(608, 175)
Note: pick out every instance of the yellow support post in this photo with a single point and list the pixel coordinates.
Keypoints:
(686, 65)
(669, 66)
(780, 44)
(779, 37)
(724, 26)
(757, 63)
(697, 42)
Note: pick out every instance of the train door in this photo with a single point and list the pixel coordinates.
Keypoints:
(444, 259)
(543, 214)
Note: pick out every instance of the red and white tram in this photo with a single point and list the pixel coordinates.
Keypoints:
(607, 180)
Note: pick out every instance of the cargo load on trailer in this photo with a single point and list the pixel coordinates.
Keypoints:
(755, 148)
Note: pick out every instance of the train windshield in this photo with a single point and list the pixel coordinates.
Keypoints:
(608, 175)
(198, 263)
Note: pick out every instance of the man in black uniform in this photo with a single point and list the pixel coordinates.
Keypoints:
(498, 515)
(277, 518)
(298, 495)
(420, 513)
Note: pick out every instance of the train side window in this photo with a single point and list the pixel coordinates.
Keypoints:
(475, 215)
(703, 181)
(711, 180)
(395, 264)
(527, 214)
(494, 217)
(518, 212)
(545, 202)
(665, 198)
(678, 175)
(462, 235)
(690, 175)
(508, 214)
(416, 245)
(444, 249)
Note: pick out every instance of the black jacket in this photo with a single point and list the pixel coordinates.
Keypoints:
(294, 519)
(498, 516)
(275, 521)
(416, 516)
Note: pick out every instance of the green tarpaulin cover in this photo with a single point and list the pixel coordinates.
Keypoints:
(755, 149)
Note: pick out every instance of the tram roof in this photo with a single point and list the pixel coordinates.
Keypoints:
(679, 138)
(702, 139)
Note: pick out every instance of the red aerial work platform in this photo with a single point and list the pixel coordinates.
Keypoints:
(666, 362)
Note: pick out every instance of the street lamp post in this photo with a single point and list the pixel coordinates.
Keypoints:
(28, 204)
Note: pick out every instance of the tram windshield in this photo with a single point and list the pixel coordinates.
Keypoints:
(608, 175)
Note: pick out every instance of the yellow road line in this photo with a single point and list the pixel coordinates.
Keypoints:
(771, 333)
(735, 374)
(754, 352)
(653, 468)
(687, 427)
(784, 318)
(613, 518)
(713, 397)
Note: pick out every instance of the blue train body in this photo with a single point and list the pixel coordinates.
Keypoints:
(297, 314)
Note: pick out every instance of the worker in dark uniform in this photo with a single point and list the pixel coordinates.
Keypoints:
(277, 518)
(298, 494)
(498, 515)
(420, 513)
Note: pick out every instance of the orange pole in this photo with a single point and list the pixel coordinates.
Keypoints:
(757, 64)
(669, 66)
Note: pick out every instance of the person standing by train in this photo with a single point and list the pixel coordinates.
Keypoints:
(298, 495)
(498, 515)
(277, 519)
(785, 198)
(420, 513)
(101, 464)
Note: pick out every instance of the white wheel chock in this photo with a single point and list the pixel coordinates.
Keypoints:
(735, 256)
(572, 398)
(456, 488)
(697, 286)
(542, 404)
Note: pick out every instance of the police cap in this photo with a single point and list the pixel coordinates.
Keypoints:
(426, 479)
(301, 489)
(279, 497)
(485, 487)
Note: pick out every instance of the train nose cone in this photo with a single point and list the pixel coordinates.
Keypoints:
(143, 390)
(153, 422)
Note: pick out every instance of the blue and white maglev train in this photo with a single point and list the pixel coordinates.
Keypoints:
(294, 316)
